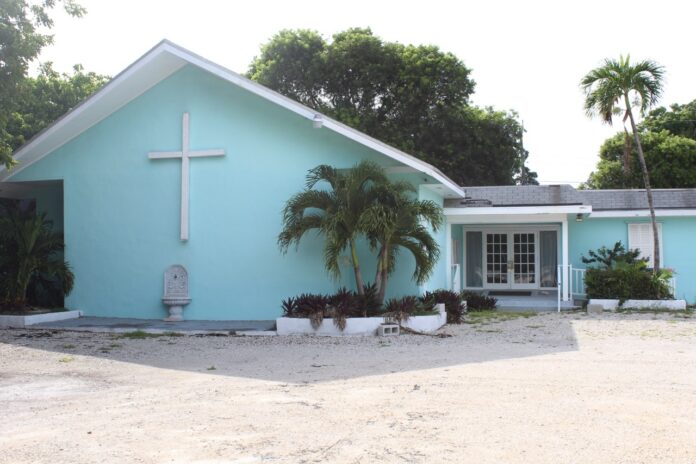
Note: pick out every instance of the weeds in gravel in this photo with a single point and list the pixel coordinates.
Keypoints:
(487, 317)
(140, 335)
(66, 359)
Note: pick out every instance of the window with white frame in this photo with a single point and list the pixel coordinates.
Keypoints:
(640, 237)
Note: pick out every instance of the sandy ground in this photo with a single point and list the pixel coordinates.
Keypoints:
(547, 389)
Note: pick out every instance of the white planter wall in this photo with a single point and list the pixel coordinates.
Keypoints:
(19, 322)
(613, 305)
(654, 304)
(358, 325)
(607, 305)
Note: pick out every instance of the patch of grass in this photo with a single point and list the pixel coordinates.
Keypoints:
(211, 368)
(489, 330)
(115, 345)
(140, 335)
(535, 326)
(68, 346)
(66, 359)
(486, 317)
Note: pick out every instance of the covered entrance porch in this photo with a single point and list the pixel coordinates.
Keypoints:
(521, 259)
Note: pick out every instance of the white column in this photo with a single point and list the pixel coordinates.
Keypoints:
(564, 259)
(448, 254)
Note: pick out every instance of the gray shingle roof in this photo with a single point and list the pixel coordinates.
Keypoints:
(553, 195)
(636, 199)
(518, 195)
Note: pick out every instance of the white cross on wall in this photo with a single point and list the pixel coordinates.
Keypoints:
(185, 154)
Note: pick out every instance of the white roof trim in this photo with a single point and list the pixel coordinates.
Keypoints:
(106, 101)
(628, 213)
(518, 210)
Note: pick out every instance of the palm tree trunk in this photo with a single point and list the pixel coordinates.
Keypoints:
(648, 190)
(384, 268)
(378, 272)
(356, 269)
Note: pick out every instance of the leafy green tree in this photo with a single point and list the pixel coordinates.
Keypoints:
(678, 120)
(22, 37)
(670, 159)
(336, 212)
(45, 98)
(413, 97)
(29, 250)
(618, 86)
(396, 221)
(667, 136)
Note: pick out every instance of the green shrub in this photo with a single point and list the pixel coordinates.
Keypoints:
(454, 305)
(621, 274)
(627, 282)
(476, 301)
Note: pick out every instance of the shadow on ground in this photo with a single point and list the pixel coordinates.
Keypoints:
(306, 359)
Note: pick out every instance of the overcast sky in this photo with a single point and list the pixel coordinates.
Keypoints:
(525, 55)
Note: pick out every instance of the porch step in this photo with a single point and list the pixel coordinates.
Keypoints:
(535, 303)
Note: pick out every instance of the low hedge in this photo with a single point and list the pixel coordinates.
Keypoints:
(626, 283)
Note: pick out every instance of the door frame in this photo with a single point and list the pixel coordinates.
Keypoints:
(510, 229)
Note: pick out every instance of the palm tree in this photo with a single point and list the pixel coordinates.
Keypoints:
(396, 220)
(618, 86)
(336, 212)
(29, 249)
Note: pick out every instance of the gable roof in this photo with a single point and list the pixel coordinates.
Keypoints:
(156, 65)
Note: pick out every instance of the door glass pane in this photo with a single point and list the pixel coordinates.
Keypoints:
(548, 258)
(497, 258)
(524, 271)
(474, 259)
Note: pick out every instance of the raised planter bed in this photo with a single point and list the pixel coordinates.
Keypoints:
(675, 305)
(358, 325)
(607, 305)
(613, 305)
(22, 321)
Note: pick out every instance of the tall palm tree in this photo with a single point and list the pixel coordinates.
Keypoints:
(397, 220)
(29, 249)
(618, 86)
(335, 212)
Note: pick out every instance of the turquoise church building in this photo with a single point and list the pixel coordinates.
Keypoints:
(178, 160)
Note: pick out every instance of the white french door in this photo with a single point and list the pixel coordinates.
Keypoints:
(511, 260)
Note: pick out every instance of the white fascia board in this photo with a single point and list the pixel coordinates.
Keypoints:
(39, 146)
(115, 94)
(313, 115)
(518, 210)
(643, 213)
(500, 219)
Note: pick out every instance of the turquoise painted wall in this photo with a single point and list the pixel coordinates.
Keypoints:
(121, 213)
(677, 236)
(438, 279)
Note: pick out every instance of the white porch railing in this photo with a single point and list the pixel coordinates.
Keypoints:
(672, 284)
(456, 284)
(576, 282)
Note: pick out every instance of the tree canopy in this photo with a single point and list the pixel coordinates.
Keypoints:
(22, 37)
(413, 97)
(669, 143)
(46, 97)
